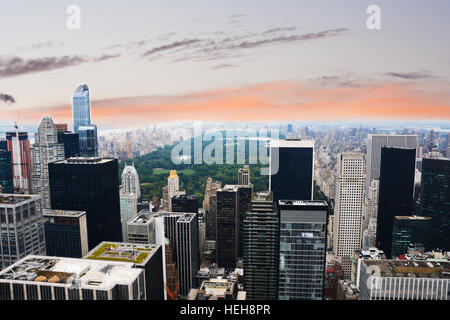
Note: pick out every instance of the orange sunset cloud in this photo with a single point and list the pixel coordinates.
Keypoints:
(274, 101)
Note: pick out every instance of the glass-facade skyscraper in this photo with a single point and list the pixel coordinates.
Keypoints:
(91, 185)
(6, 175)
(396, 192)
(291, 169)
(303, 239)
(410, 230)
(435, 199)
(81, 107)
(261, 249)
(81, 111)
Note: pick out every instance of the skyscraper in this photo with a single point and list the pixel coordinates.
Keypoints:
(291, 169)
(232, 203)
(45, 150)
(70, 140)
(370, 212)
(19, 146)
(396, 192)
(244, 176)
(91, 185)
(374, 144)
(187, 252)
(130, 180)
(22, 228)
(65, 233)
(173, 189)
(6, 175)
(184, 203)
(88, 141)
(209, 205)
(81, 107)
(347, 233)
(302, 249)
(410, 230)
(261, 248)
(435, 200)
(81, 111)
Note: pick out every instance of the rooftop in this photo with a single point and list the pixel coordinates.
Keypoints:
(120, 251)
(303, 203)
(411, 268)
(217, 287)
(59, 213)
(58, 270)
(84, 160)
(15, 198)
(412, 218)
(143, 217)
(292, 143)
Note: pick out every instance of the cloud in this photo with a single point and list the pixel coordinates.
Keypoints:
(225, 45)
(170, 46)
(279, 30)
(106, 57)
(411, 75)
(270, 101)
(14, 66)
(222, 66)
(7, 98)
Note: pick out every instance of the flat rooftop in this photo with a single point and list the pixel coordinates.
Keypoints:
(303, 203)
(412, 218)
(91, 273)
(84, 160)
(411, 268)
(292, 143)
(63, 213)
(217, 287)
(143, 217)
(6, 198)
(135, 253)
(187, 217)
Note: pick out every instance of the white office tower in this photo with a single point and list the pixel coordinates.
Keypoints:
(374, 144)
(46, 149)
(128, 209)
(173, 189)
(347, 233)
(21, 228)
(130, 180)
(370, 215)
(244, 176)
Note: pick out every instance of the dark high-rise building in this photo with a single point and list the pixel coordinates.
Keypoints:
(3, 145)
(91, 185)
(188, 261)
(291, 169)
(303, 240)
(65, 233)
(6, 175)
(410, 230)
(71, 143)
(396, 193)
(226, 227)
(435, 200)
(261, 249)
(232, 203)
(184, 203)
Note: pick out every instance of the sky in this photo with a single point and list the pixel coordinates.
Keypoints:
(159, 61)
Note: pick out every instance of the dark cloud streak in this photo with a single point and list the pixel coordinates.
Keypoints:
(7, 98)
